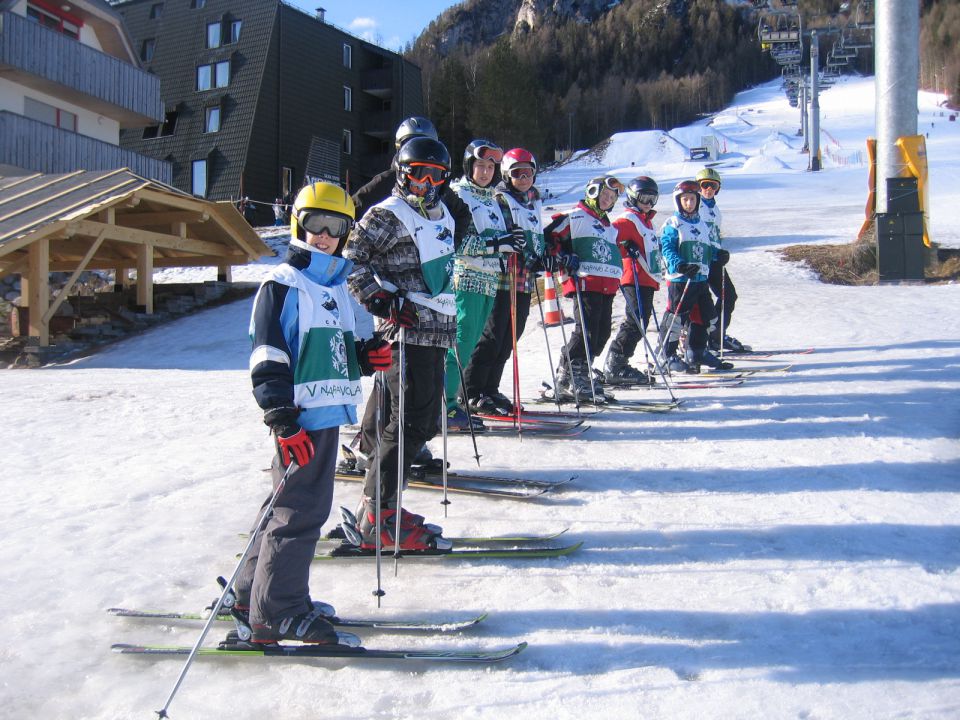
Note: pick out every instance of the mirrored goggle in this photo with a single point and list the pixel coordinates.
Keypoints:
(707, 184)
(421, 172)
(488, 152)
(522, 173)
(647, 198)
(316, 222)
(613, 184)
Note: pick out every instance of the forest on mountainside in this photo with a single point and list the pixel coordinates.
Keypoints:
(590, 69)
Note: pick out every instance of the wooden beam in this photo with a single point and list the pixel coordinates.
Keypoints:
(177, 201)
(15, 266)
(160, 219)
(38, 299)
(72, 280)
(145, 278)
(21, 242)
(138, 236)
(112, 263)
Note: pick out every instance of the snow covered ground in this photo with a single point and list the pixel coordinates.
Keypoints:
(785, 549)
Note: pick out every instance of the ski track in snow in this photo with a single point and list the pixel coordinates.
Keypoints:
(785, 549)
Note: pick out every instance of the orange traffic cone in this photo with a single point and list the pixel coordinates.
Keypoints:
(552, 317)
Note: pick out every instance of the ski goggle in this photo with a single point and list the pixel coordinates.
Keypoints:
(595, 185)
(647, 198)
(522, 173)
(707, 184)
(426, 173)
(488, 152)
(318, 221)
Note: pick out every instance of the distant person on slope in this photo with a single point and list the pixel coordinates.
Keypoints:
(478, 263)
(719, 279)
(587, 241)
(518, 200)
(640, 250)
(306, 368)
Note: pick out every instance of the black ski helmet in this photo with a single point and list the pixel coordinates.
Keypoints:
(414, 127)
(639, 186)
(481, 149)
(422, 151)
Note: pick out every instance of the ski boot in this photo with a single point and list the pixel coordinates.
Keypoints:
(459, 421)
(239, 609)
(712, 361)
(503, 403)
(310, 626)
(676, 365)
(619, 372)
(413, 537)
(484, 405)
(733, 345)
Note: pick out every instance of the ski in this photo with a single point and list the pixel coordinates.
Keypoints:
(709, 384)
(738, 373)
(637, 405)
(323, 651)
(538, 430)
(338, 534)
(527, 419)
(757, 354)
(346, 551)
(405, 625)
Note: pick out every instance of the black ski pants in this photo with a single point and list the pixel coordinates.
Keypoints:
(697, 295)
(423, 401)
(725, 293)
(598, 317)
(275, 578)
(629, 334)
(484, 370)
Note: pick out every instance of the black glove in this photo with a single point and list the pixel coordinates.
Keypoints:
(380, 303)
(549, 263)
(633, 251)
(292, 440)
(404, 314)
(512, 242)
(374, 355)
(723, 257)
(570, 262)
(691, 270)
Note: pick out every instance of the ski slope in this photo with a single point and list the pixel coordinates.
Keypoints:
(784, 549)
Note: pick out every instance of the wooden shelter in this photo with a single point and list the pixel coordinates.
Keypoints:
(111, 220)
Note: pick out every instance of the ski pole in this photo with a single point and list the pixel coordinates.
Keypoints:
(676, 314)
(646, 343)
(566, 350)
(723, 308)
(586, 343)
(513, 337)
(378, 493)
(466, 403)
(640, 323)
(546, 339)
(443, 433)
(401, 432)
(254, 536)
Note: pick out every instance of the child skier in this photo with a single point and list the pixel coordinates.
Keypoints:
(687, 250)
(402, 249)
(305, 368)
(640, 250)
(478, 264)
(719, 279)
(587, 241)
(520, 206)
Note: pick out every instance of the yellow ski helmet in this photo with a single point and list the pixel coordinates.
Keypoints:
(322, 206)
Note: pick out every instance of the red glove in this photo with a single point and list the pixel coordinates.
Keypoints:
(375, 355)
(406, 316)
(298, 444)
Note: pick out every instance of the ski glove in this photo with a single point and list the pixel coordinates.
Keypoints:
(550, 263)
(691, 270)
(512, 242)
(633, 251)
(404, 314)
(723, 257)
(380, 303)
(570, 262)
(375, 355)
(292, 440)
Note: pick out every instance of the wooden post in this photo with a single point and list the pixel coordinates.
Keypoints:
(145, 277)
(38, 299)
(225, 273)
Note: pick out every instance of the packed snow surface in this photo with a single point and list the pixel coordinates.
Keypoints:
(788, 548)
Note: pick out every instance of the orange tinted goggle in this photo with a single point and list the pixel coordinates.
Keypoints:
(426, 172)
(486, 152)
(705, 184)
(522, 173)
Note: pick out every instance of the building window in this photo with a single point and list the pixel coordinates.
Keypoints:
(346, 145)
(214, 34)
(215, 75)
(235, 31)
(54, 19)
(347, 55)
(49, 114)
(198, 178)
(169, 124)
(286, 181)
(198, 4)
(347, 98)
(147, 49)
(211, 119)
(156, 10)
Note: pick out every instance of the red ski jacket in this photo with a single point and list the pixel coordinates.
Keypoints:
(557, 236)
(627, 232)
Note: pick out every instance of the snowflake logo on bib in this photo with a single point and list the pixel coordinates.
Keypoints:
(338, 354)
(601, 252)
(698, 252)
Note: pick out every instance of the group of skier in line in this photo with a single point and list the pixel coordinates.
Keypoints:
(448, 269)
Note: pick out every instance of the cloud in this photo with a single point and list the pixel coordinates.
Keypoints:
(362, 24)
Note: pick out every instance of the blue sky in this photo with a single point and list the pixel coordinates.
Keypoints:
(389, 23)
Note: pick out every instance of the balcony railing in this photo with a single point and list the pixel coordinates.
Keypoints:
(33, 145)
(37, 57)
(378, 82)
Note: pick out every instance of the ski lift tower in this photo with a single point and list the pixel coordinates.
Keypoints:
(897, 60)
